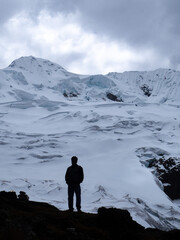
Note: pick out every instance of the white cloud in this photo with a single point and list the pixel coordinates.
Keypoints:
(60, 38)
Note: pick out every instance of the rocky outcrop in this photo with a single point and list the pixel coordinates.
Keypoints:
(113, 97)
(146, 89)
(168, 172)
(27, 220)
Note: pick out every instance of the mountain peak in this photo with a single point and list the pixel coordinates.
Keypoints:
(30, 63)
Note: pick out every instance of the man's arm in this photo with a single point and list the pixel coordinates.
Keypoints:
(67, 176)
(81, 175)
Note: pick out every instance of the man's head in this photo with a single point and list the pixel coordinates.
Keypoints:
(74, 160)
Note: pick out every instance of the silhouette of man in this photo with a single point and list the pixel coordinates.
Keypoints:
(74, 176)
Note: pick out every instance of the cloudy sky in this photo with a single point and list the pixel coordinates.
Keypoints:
(89, 37)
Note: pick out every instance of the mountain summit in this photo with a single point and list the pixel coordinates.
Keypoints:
(35, 64)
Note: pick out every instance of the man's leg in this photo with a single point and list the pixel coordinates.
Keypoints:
(78, 197)
(70, 197)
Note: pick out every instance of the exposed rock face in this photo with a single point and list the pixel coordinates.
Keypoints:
(146, 89)
(114, 97)
(71, 94)
(119, 223)
(168, 172)
(26, 220)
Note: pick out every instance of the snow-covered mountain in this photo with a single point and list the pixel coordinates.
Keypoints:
(42, 78)
(124, 127)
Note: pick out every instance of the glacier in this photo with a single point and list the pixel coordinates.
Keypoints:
(48, 114)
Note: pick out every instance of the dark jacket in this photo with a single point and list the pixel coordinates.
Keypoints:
(74, 175)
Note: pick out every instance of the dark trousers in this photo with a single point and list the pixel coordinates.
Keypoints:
(77, 190)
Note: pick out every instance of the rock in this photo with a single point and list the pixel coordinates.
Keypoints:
(146, 89)
(168, 172)
(119, 223)
(113, 97)
(40, 221)
(8, 195)
(23, 196)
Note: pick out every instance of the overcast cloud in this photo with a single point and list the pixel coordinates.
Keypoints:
(95, 36)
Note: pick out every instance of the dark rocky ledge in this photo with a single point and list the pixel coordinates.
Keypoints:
(24, 219)
(168, 172)
(113, 97)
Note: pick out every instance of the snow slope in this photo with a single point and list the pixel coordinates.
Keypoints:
(48, 114)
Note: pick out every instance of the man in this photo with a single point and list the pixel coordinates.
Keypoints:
(74, 176)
